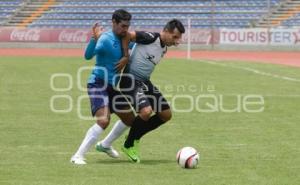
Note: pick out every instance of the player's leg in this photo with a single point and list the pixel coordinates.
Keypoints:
(140, 103)
(117, 131)
(126, 119)
(144, 109)
(154, 122)
(131, 145)
(99, 108)
(140, 127)
(92, 135)
(160, 106)
(118, 104)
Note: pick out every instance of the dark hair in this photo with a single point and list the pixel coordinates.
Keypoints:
(174, 23)
(121, 15)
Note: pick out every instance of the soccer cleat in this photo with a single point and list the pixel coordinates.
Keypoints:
(78, 160)
(136, 147)
(111, 152)
(131, 153)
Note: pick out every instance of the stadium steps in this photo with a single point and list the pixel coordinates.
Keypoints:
(30, 11)
(13, 12)
(286, 10)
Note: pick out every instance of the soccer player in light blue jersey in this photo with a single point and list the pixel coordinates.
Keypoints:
(102, 81)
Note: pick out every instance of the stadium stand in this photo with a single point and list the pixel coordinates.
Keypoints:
(150, 14)
(284, 14)
(8, 8)
(294, 21)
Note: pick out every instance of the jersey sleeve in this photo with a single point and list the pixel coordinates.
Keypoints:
(146, 37)
(89, 50)
(101, 43)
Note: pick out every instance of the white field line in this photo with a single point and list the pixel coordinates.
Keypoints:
(265, 95)
(252, 70)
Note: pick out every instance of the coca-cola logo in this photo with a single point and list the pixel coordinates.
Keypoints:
(198, 36)
(73, 36)
(25, 35)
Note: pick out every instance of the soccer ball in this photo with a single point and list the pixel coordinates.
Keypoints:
(187, 157)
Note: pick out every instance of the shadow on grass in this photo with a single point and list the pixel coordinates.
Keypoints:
(127, 161)
(157, 161)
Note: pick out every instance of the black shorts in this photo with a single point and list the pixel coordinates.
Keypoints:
(102, 95)
(142, 94)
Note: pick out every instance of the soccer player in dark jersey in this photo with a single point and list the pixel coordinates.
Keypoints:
(144, 96)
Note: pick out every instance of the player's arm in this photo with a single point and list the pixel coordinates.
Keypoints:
(125, 49)
(90, 49)
(139, 37)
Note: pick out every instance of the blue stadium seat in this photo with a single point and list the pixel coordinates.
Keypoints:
(228, 13)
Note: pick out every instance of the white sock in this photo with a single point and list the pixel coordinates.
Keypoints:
(90, 139)
(115, 132)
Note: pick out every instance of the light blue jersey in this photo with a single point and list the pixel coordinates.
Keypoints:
(108, 52)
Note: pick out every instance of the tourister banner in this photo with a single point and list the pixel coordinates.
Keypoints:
(260, 36)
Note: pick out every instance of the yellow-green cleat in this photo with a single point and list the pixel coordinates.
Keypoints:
(131, 153)
(136, 147)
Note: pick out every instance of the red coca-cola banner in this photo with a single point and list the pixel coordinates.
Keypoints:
(198, 36)
(202, 36)
(44, 35)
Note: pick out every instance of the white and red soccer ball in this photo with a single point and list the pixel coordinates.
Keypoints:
(187, 157)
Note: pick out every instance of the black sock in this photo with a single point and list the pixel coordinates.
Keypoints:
(146, 127)
(134, 129)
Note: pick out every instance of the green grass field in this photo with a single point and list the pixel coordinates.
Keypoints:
(235, 148)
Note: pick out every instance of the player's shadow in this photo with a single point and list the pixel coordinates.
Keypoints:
(143, 162)
(113, 161)
(155, 162)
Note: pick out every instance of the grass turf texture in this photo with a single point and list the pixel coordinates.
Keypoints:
(235, 148)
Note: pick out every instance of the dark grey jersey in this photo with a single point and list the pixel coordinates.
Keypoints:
(145, 55)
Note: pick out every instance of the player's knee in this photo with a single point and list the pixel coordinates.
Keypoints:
(127, 119)
(166, 115)
(103, 122)
(145, 113)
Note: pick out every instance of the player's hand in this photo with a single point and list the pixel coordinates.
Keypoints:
(121, 64)
(97, 30)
